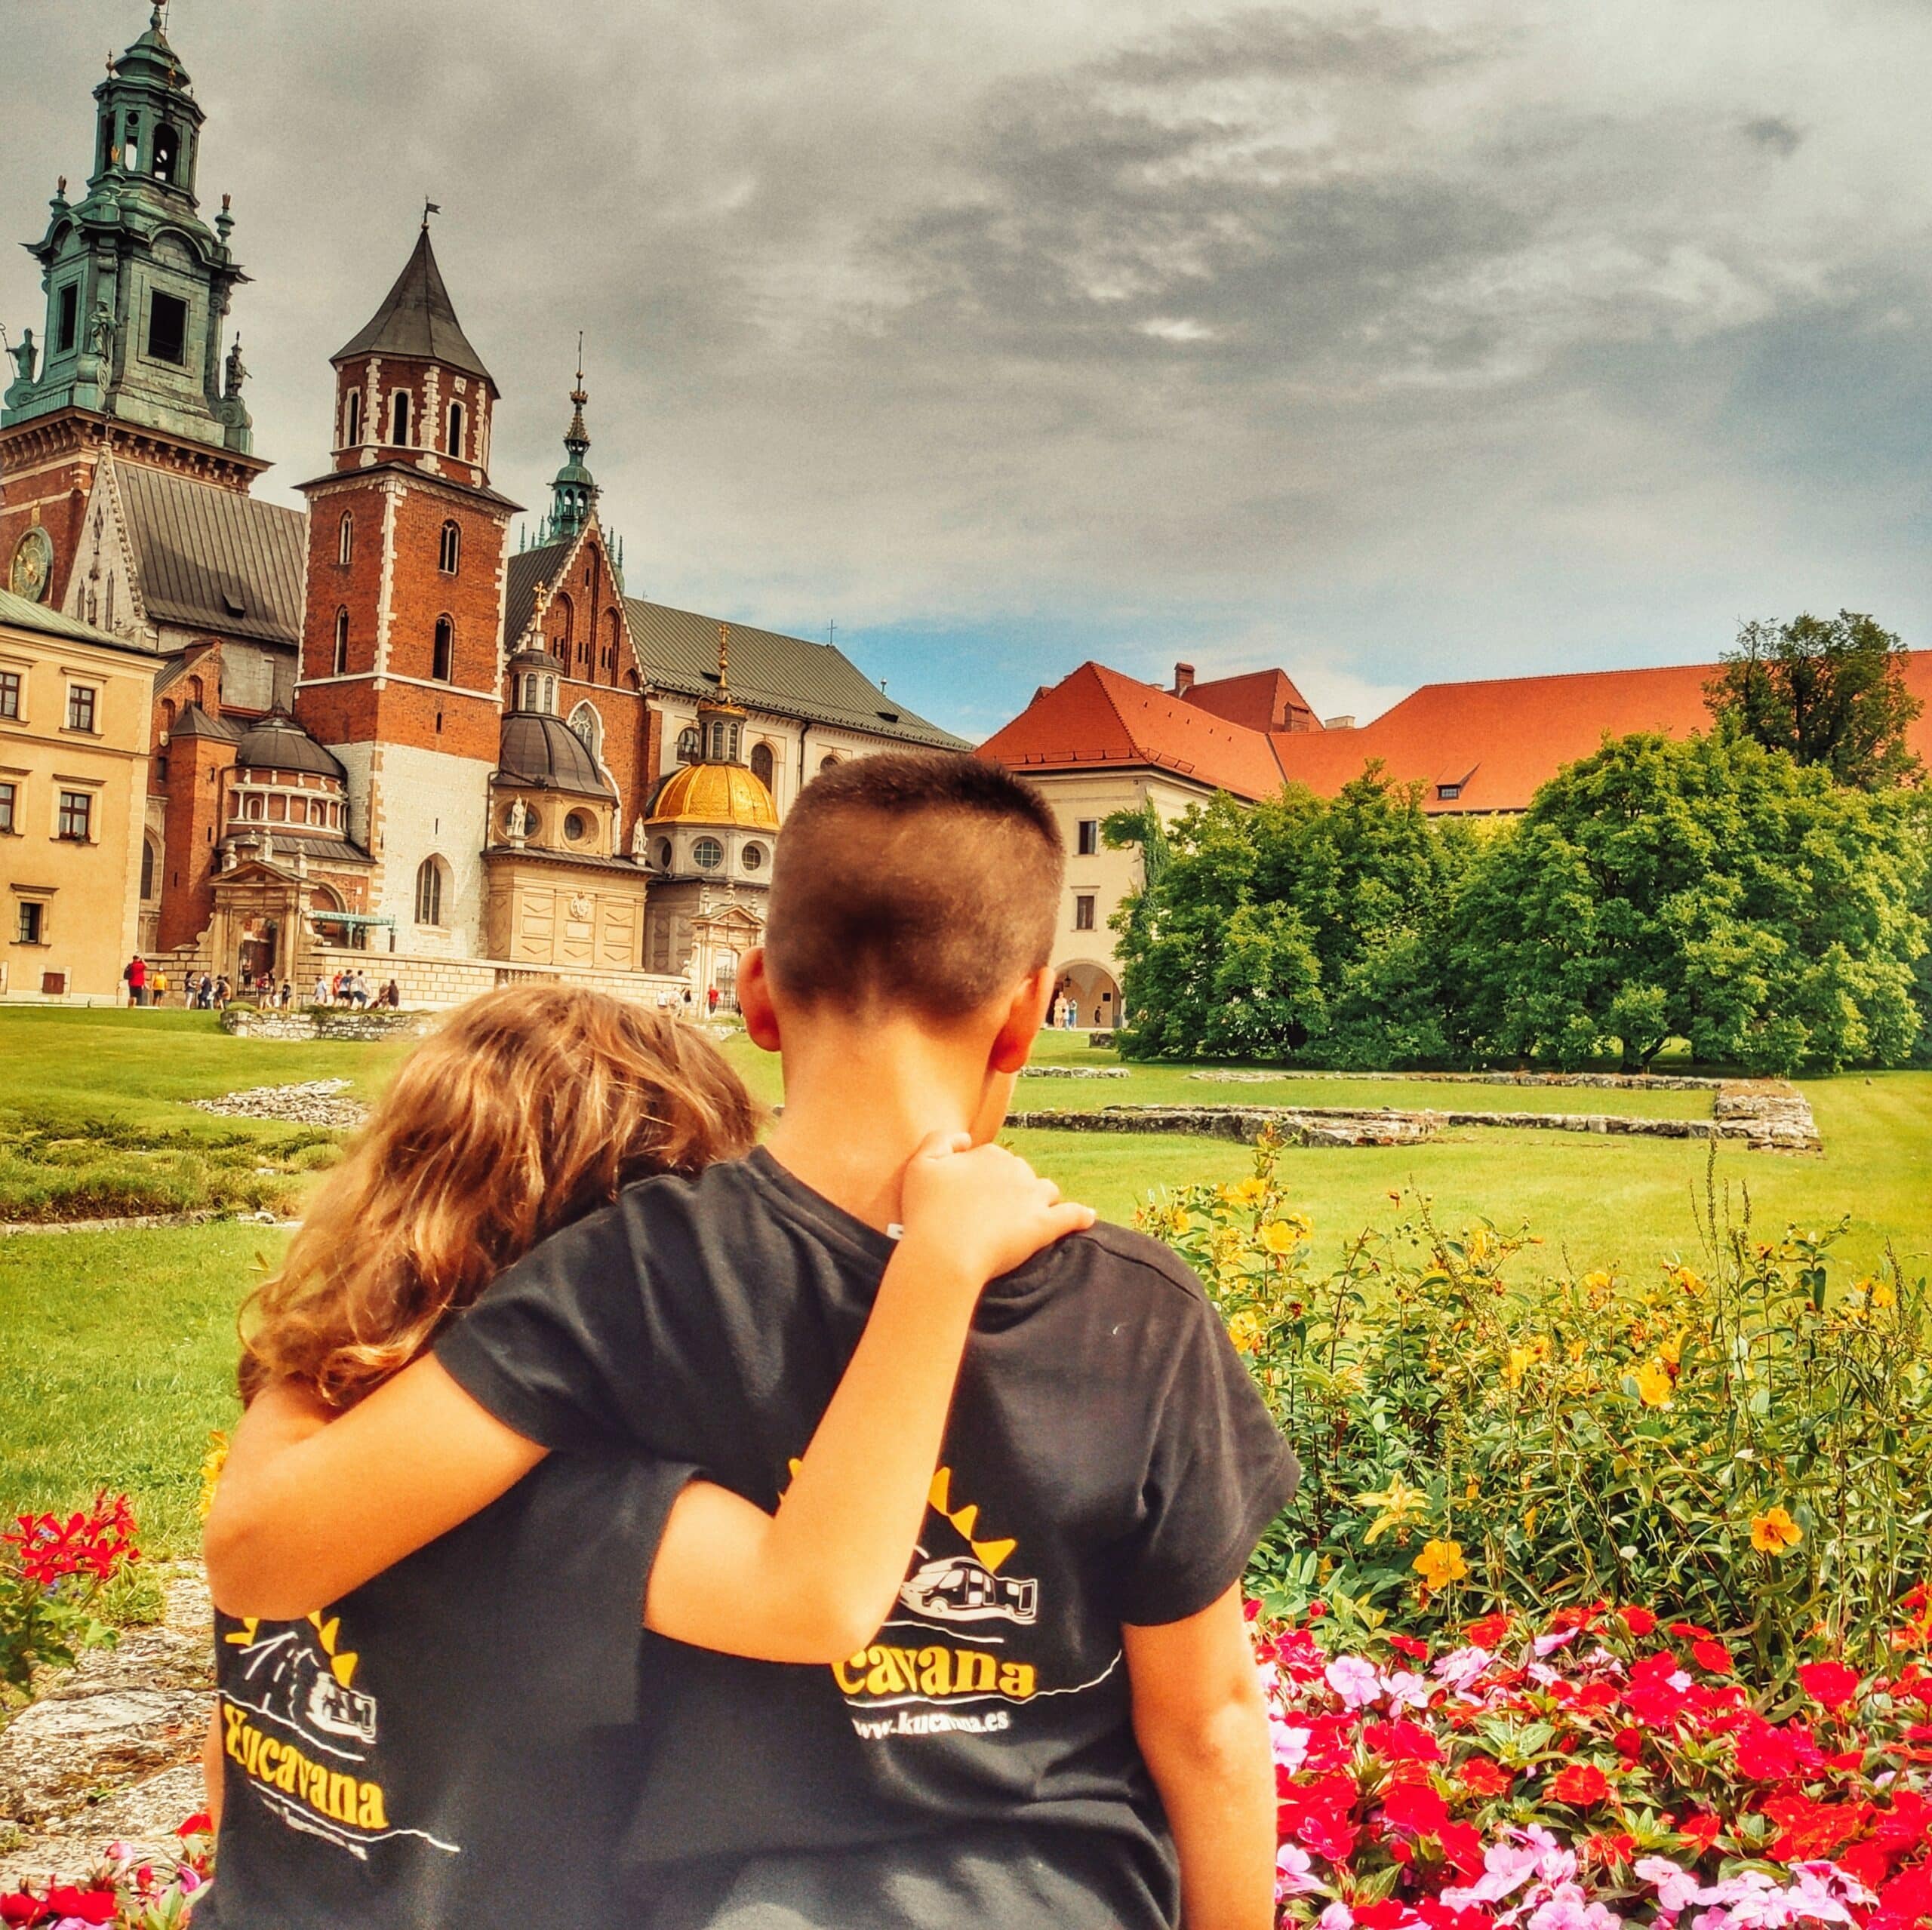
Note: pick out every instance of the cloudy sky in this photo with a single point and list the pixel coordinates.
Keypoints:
(1442, 340)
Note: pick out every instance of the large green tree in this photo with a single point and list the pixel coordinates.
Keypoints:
(1705, 889)
(1830, 690)
(1297, 927)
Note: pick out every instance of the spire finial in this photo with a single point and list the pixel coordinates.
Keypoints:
(725, 663)
(429, 208)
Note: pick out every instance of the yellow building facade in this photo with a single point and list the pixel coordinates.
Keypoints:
(74, 718)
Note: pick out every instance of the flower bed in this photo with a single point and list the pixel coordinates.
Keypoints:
(1603, 1769)
(120, 1893)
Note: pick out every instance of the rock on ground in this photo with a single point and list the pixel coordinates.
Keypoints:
(112, 1750)
(314, 1102)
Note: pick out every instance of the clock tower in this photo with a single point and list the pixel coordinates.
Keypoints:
(129, 357)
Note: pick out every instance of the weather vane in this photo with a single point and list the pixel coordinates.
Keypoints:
(429, 208)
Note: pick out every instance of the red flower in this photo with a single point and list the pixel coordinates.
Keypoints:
(1582, 1785)
(1702, 1829)
(1402, 1741)
(1619, 1847)
(1328, 1835)
(1810, 1828)
(1639, 1622)
(1688, 1631)
(1382, 1915)
(1711, 1655)
(1414, 1807)
(20, 1908)
(1488, 1631)
(1481, 1777)
(1628, 1744)
(199, 1824)
(1407, 1645)
(90, 1906)
(1438, 1915)
(1831, 1685)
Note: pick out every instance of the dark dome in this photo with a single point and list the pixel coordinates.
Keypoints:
(279, 743)
(534, 656)
(546, 752)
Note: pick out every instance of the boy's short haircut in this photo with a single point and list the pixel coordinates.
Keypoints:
(926, 879)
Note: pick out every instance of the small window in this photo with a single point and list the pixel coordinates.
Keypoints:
(168, 328)
(10, 694)
(1447, 791)
(451, 553)
(10, 796)
(752, 857)
(826, 764)
(577, 825)
(131, 143)
(399, 419)
(166, 154)
(352, 427)
(429, 891)
(443, 651)
(663, 854)
(341, 666)
(67, 328)
(1089, 837)
(707, 854)
(147, 868)
(453, 437)
(31, 925)
(76, 821)
(80, 707)
(1083, 912)
(345, 539)
(687, 743)
(762, 766)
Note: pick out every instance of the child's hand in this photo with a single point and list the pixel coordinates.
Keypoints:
(982, 1210)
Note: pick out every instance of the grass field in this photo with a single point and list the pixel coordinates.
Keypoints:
(117, 1348)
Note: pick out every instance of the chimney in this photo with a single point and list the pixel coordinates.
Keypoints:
(1183, 679)
(1338, 723)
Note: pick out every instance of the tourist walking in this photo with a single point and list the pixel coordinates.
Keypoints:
(158, 988)
(134, 973)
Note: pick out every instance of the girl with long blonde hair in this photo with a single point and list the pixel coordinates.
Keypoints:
(422, 1751)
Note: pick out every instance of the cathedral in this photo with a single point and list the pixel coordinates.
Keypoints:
(385, 736)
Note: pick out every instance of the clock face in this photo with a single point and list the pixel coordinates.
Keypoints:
(32, 567)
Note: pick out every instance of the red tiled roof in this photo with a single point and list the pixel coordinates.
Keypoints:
(1494, 741)
(1499, 739)
(1097, 717)
(1262, 699)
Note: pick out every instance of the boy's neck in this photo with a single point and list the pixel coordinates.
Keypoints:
(859, 1100)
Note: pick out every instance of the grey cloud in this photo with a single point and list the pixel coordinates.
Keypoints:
(1773, 131)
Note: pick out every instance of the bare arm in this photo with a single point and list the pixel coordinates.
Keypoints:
(813, 1584)
(304, 1512)
(211, 1778)
(1202, 1725)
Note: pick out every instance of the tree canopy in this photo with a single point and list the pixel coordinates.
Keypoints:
(1829, 691)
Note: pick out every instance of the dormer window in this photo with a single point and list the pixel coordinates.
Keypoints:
(399, 419)
(1448, 792)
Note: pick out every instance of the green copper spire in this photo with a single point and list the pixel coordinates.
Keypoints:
(137, 284)
(573, 489)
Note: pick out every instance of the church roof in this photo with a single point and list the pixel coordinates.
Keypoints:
(17, 613)
(213, 559)
(1262, 700)
(773, 672)
(725, 795)
(1098, 717)
(193, 721)
(277, 742)
(545, 752)
(418, 319)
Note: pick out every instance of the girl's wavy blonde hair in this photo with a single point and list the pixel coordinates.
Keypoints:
(528, 1109)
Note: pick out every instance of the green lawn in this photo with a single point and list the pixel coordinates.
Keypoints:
(116, 1349)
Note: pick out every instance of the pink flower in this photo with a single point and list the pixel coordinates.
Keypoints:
(1294, 1871)
(1677, 1888)
(1354, 1680)
(1461, 1667)
(1289, 1743)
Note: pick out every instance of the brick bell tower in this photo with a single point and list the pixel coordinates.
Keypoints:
(401, 669)
(130, 356)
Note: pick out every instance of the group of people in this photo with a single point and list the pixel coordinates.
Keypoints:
(685, 1005)
(351, 989)
(648, 1512)
(150, 984)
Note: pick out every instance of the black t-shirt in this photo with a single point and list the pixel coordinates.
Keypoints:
(1107, 1460)
(457, 1742)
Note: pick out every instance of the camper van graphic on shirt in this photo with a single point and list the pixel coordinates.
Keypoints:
(302, 1735)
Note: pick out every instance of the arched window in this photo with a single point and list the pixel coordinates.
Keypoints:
(345, 539)
(443, 651)
(147, 868)
(451, 552)
(167, 152)
(351, 420)
(761, 764)
(131, 143)
(168, 714)
(341, 667)
(429, 891)
(452, 435)
(196, 695)
(613, 625)
(826, 764)
(588, 725)
(399, 419)
(563, 625)
(687, 743)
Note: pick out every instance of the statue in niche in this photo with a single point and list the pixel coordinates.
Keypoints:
(639, 844)
(101, 331)
(237, 370)
(25, 353)
(518, 821)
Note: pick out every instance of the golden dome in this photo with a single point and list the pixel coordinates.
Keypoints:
(715, 794)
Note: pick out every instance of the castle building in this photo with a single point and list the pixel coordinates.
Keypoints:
(381, 736)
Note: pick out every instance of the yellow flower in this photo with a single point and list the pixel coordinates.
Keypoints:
(1244, 1193)
(1395, 1503)
(1774, 1532)
(1529, 1522)
(1654, 1386)
(1480, 1242)
(1598, 1284)
(1440, 1563)
(1521, 1360)
(1472, 1490)
(1282, 1235)
(1246, 1330)
(213, 1462)
(1671, 1352)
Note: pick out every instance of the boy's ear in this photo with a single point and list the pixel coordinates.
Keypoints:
(1026, 1013)
(754, 1005)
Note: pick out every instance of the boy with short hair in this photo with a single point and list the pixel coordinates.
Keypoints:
(1064, 1696)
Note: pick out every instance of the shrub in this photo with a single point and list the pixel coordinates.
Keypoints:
(52, 1575)
(121, 1892)
(1734, 1441)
